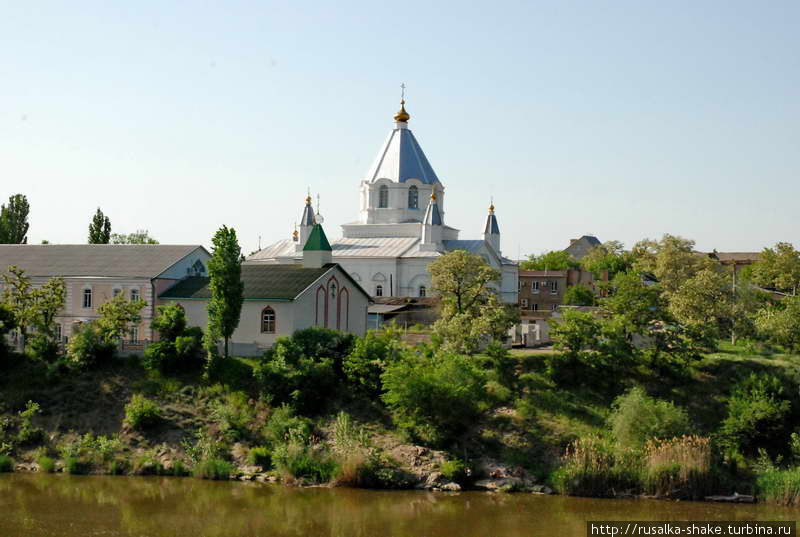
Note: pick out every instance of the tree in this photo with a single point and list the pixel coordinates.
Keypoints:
(14, 220)
(579, 295)
(703, 303)
(780, 323)
(117, 315)
(226, 286)
(7, 323)
(555, 260)
(100, 228)
(672, 260)
(18, 296)
(141, 236)
(471, 311)
(778, 268)
(609, 257)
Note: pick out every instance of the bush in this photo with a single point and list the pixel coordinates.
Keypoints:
(46, 464)
(170, 321)
(579, 295)
(88, 346)
(289, 375)
(141, 413)
(180, 348)
(365, 364)
(6, 464)
(234, 416)
(28, 434)
(757, 412)
(780, 324)
(204, 447)
(284, 425)
(455, 470)
(371, 470)
(325, 343)
(147, 464)
(76, 466)
(260, 456)
(306, 461)
(217, 469)
(636, 418)
(42, 347)
(435, 399)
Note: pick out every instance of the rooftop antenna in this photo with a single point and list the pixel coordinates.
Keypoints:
(403, 92)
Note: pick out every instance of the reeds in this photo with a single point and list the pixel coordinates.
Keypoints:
(679, 467)
(779, 486)
(592, 468)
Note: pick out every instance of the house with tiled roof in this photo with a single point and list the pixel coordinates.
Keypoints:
(401, 226)
(282, 298)
(578, 248)
(95, 273)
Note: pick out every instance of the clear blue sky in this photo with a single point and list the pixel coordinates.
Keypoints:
(621, 119)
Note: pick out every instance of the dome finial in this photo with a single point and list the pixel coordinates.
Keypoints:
(402, 116)
(308, 197)
(491, 205)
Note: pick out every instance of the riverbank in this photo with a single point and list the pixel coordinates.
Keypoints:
(229, 429)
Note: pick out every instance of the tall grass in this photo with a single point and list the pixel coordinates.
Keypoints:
(679, 467)
(6, 464)
(218, 469)
(592, 468)
(779, 486)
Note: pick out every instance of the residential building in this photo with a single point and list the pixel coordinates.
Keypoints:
(95, 273)
(282, 298)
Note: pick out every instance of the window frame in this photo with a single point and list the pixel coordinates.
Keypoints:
(137, 294)
(379, 290)
(423, 291)
(413, 194)
(87, 304)
(265, 323)
(383, 197)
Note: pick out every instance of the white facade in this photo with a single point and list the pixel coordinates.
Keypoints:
(401, 226)
(332, 301)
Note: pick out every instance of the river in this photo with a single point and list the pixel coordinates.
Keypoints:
(45, 505)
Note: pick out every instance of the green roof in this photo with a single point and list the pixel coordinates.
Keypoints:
(273, 282)
(317, 240)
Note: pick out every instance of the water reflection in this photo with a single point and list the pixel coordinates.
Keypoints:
(77, 506)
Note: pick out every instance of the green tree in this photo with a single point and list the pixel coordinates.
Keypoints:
(555, 260)
(471, 311)
(20, 299)
(575, 333)
(579, 295)
(100, 228)
(7, 323)
(141, 236)
(14, 220)
(780, 323)
(672, 260)
(48, 301)
(704, 303)
(169, 322)
(609, 257)
(778, 268)
(226, 286)
(117, 315)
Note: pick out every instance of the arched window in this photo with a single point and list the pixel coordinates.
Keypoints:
(423, 291)
(87, 298)
(378, 290)
(413, 197)
(268, 320)
(333, 289)
(383, 197)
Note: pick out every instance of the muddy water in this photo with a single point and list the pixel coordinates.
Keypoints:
(71, 506)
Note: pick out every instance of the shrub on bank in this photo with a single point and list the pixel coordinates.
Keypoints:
(6, 464)
(435, 399)
(455, 470)
(89, 346)
(141, 413)
(260, 456)
(217, 469)
(636, 418)
(46, 464)
(309, 461)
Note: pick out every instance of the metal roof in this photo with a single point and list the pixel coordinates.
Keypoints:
(491, 225)
(94, 260)
(401, 158)
(284, 248)
(385, 308)
(373, 247)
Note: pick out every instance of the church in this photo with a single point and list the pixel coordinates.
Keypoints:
(401, 227)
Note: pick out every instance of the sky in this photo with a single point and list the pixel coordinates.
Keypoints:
(625, 119)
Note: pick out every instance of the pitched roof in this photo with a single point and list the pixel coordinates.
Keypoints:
(736, 257)
(401, 158)
(94, 260)
(317, 240)
(274, 282)
(491, 225)
(432, 215)
(578, 248)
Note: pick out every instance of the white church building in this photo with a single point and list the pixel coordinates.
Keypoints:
(401, 226)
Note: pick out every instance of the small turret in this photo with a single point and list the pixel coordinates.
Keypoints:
(431, 239)
(307, 222)
(491, 232)
(317, 251)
